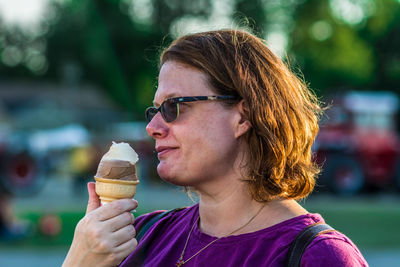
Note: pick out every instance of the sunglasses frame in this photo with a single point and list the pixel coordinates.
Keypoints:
(182, 99)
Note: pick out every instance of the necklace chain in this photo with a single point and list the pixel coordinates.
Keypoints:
(181, 261)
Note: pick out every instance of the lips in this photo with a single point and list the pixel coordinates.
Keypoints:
(163, 150)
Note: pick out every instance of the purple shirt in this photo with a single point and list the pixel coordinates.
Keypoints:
(163, 243)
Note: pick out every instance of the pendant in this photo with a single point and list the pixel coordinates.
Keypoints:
(180, 262)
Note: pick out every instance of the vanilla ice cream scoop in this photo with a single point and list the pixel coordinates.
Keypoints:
(118, 163)
(121, 151)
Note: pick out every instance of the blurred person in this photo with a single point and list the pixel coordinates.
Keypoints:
(17, 177)
(232, 123)
(11, 228)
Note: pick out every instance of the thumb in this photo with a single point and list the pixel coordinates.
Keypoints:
(94, 201)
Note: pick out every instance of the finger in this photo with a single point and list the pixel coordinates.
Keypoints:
(116, 208)
(123, 235)
(126, 248)
(94, 200)
(120, 221)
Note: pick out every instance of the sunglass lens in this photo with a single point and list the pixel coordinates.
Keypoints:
(150, 113)
(169, 110)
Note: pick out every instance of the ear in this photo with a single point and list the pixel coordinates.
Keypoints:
(242, 124)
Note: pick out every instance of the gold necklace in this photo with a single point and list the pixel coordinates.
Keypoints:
(181, 262)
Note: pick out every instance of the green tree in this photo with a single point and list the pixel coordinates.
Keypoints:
(382, 31)
(336, 53)
(254, 13)
(113, 44)
(330, 54)
(112, 49)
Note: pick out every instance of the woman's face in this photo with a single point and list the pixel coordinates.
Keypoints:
(200, 145)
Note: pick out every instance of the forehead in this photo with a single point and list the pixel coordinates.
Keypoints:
(177, 79)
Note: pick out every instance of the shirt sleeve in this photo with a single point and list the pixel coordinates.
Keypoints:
(332, 249)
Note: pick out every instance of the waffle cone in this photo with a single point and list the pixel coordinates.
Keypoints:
(113, 189)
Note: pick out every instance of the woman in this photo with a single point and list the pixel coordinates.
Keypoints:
(233, 124)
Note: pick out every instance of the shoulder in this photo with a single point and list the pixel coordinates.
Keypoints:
(172, 215)
(145, 218)
(332, 249)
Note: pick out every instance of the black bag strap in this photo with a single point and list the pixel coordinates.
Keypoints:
(143, 230)
(302, 240)
(150, 223)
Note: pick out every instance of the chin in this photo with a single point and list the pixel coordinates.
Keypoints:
(173, 180)
(169, 176)
(165, 173)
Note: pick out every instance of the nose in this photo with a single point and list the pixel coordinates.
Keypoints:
(157, 127)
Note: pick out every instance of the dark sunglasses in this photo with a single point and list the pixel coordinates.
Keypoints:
(170, 107)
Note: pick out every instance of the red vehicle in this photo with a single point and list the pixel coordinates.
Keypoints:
(358, 144)
(21, 172)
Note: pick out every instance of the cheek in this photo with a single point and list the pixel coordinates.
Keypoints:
(211, 143)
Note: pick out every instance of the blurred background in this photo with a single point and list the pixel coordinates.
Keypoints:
(76, 75)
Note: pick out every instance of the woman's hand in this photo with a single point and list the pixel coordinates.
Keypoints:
(105, 236)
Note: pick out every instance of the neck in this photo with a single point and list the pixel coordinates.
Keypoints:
(226, 208)
(229, 207)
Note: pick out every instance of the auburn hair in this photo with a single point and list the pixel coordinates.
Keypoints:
(283, 112)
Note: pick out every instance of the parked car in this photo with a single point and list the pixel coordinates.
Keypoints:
(358, 143)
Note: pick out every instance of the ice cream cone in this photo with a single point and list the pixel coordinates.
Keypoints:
(113, 189)
(116, 174)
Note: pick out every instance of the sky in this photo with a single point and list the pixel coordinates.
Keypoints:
(22, 12)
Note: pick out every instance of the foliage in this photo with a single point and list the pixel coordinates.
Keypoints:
(115, 44)
(335, 54)
(364, 222)
(103, 46)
